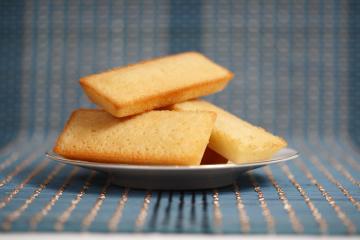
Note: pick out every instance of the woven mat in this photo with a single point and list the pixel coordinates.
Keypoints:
(296, 66)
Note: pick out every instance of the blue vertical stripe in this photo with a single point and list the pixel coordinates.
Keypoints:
(354, 76)
(246, 57)
(140, 30)
(11, 53)
(125, 36)
(215, 36)
(79, 29)
(260, 59)
(34, 39)
(230, 97)
(110, 35)
(156, 22)
(290, 68)
(95, 37)
(185, 26)
(306, 70)
(275, 66)
(321, 71)
(337, 80)
(49, 67)
(64, 82)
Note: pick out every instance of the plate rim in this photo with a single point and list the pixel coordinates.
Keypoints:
(53, 156)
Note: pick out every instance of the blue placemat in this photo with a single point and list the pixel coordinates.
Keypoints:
(296, 66)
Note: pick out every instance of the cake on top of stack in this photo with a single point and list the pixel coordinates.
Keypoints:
(132, 129)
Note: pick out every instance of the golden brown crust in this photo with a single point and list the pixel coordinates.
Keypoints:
(129, 159)
(151, 102)
(114, 108)
(177, 91)
(251, 144)
(126, 158)
(56, 148)
(90, 91)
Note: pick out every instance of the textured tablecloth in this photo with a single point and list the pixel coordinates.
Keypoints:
(297, 74)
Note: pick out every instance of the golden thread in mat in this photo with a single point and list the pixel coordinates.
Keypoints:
(90, 217)
(17, 189)
(6, 225)
(243, 217)
(295, 222)
(339, 167)
(59, 225)
(34, 221)
(332, 179)
(270, 221)
(18, 169)
(339, 212)
(115, 218)
(314, 211)
(140, 220)
(13, 157)
(217, 211)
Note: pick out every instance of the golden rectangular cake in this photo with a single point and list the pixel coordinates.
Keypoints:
(151, 138)
(234, 138)
(155, 83)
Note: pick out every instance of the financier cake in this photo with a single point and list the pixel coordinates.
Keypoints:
(154, 137)
(234, 138)
(155, 83)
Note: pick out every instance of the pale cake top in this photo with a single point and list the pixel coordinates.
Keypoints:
(236, 129)
(150, 78)
(155, 137)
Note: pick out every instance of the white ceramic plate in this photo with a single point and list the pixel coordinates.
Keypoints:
(176, 177)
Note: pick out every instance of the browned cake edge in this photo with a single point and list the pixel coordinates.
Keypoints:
(57, 148)
(152, 102)
(130, 159)
(155, 101)
(277, 143)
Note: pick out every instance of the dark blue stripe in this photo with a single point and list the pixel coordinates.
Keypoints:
(80, 49)
(290, 68)
(275, 67)
(11, 40)
(337, 80)
(125, 36)
(64, 76)
(110, 35)
(230, 97)
(260, 61)
(321, 70)
(306, 71)
(49, 67)
(354, 76)
(34, 39)
(156, 23)
(215, 38)
(95, 37)
(246, 57)
(185, 25)
(140, 30)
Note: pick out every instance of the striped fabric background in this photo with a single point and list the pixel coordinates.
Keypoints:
(297, 74)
